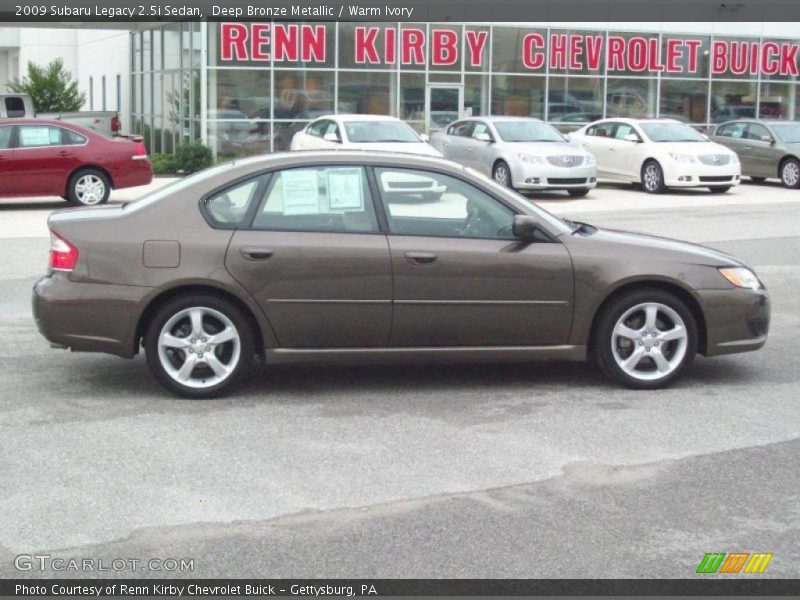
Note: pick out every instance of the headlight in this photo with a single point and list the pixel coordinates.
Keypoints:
(590, 160)
(530, 158)
(741, 277)
(682, 158)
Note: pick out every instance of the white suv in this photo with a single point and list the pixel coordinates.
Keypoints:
(658, 153)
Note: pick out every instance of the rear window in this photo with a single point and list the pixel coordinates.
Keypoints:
(15, 107)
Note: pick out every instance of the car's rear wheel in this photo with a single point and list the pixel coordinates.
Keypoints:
(719, 189)
(790, 173)
(502, 174)
(646, 339)
(578, 193)
(88, 187)
(653, 178)
(198, 346)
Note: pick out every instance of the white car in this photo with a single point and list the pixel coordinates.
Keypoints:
(518, 152)
(361, 132)
(658, 153)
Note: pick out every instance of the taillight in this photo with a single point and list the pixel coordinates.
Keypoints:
(139, 151)
(63, 255)
(115, 124)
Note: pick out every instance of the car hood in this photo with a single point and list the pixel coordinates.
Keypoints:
(546, 148)
(627, 243)
(693, 148)
(404, 147)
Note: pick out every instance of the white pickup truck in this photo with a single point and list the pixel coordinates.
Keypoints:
(21, 105)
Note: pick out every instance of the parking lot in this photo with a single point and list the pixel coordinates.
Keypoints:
(447, 471)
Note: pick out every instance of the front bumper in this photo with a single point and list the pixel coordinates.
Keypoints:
(88, 317)
(737, 320)
(700, 175)
(526, 176)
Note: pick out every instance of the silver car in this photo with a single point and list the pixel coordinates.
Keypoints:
(518, 152)
(765, 148)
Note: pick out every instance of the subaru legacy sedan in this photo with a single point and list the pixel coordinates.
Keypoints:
(519, 153)
(305, 257)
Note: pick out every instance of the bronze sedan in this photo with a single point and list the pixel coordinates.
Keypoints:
(345, 257)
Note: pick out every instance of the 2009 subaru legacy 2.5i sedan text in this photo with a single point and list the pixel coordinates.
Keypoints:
(305, 257)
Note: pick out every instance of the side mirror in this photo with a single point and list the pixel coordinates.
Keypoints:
(524, 227)
(331, 137)
(425, 137)
(484, 137)
(767, 138)
(632, 137)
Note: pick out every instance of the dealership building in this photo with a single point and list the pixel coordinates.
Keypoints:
(247, 87)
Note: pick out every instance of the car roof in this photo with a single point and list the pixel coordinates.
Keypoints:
(499, 119)
(355, 117)
(85, 131)
(762, 121)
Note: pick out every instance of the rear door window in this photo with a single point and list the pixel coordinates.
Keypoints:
(37, 136)
(333, 199)
(6, 135)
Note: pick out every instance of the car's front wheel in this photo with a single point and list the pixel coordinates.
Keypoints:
(502, 174)
(646, 339)
(790, 173)
(198, 346)
(88, 187)
(653, 178)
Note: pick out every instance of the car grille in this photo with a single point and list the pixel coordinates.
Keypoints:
(716, 160)
(566, 180)
(566, 160)
(715, 179)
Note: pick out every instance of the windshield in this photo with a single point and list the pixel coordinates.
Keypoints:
(789, 132)
(671, 132)
(527, 131)
(375, 132)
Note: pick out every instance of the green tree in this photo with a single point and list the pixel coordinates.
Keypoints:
(51, 88)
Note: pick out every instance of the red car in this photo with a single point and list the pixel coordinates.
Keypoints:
(45, 157)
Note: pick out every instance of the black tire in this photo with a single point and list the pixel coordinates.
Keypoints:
(790, 173)
(719, 189)
(607, 320)
(500, 167)
(757, 179)
(656, 184)
(74, 195)
(578, 193)
(208, 301)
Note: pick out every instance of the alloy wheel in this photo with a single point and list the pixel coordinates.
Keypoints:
(90, 189)
(652, 177)
(199, 347)
(790, 174)
(501, 175)
(649, 341)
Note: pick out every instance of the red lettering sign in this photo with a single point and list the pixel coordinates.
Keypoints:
(476, 40)
(532, 56)
(444, 47)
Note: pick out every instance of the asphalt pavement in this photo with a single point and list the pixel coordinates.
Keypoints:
(442, 471)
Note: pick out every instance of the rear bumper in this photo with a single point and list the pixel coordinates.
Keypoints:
(138, 172)
(88, 317)
(737, 320)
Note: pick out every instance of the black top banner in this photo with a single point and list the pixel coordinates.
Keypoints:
(472, 11)
(365, 588)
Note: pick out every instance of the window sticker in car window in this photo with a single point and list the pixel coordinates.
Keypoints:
(345, 189)
(34, 136)
(300, 192)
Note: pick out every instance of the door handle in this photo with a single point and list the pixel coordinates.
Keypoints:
(252, 253)
(747, 148)
(420, 258)
(3, 157)
(65, 153)
(468, 149)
